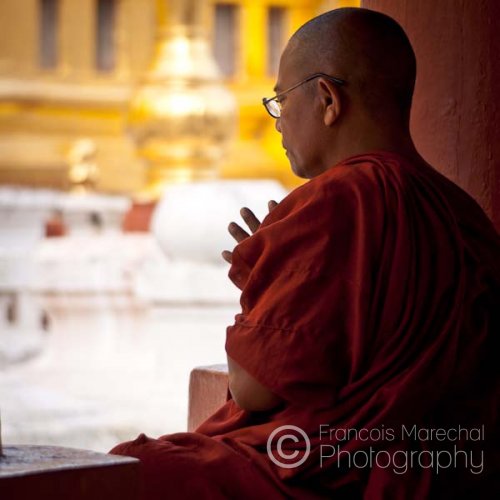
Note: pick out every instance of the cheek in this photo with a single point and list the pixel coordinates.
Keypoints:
(302, 145)
(282, 126)
(290, 131)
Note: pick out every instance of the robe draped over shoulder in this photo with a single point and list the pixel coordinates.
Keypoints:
(370, 305)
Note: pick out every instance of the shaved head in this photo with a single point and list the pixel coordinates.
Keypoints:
(323, 121)
(366, 48)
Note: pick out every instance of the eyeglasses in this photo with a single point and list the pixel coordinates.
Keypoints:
(273, 104)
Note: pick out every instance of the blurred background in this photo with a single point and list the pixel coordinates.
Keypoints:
(131, 132)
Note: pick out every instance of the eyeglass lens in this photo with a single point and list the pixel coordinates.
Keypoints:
(274, 108)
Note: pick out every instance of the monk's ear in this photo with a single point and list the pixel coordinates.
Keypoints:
(330, 101)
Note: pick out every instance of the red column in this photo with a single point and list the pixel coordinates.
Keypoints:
(456, 110)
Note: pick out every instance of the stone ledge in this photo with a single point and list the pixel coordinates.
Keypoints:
(208, 391)
(56, 473)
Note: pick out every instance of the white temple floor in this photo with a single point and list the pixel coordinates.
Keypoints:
(106, 375)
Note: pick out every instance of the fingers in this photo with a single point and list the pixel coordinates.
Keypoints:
(238, 233)
(251, 220)
(249, 217)
(271, 205)
(227, 256)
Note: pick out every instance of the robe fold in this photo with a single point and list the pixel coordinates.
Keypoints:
(370, 304)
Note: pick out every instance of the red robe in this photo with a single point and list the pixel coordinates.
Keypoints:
(371, 306)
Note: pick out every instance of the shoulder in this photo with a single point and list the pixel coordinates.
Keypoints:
(338, 195)
(374, 173)
(360, 179)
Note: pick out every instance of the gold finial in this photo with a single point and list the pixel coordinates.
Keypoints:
(181, 117)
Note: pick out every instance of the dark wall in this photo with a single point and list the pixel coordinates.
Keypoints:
(456, 112)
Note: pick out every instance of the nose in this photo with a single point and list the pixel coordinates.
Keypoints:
(277, 125)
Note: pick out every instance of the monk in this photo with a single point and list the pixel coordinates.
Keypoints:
(364, 361)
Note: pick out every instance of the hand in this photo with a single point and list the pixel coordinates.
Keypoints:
(238, 233)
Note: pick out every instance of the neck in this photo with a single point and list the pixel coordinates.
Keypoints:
(371, 138)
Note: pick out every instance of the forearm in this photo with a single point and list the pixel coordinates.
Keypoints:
(247, 392)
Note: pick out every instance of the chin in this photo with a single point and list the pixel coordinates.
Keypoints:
(298, 171)
(293, 164)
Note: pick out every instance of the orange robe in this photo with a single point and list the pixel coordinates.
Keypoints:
(371, 305)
